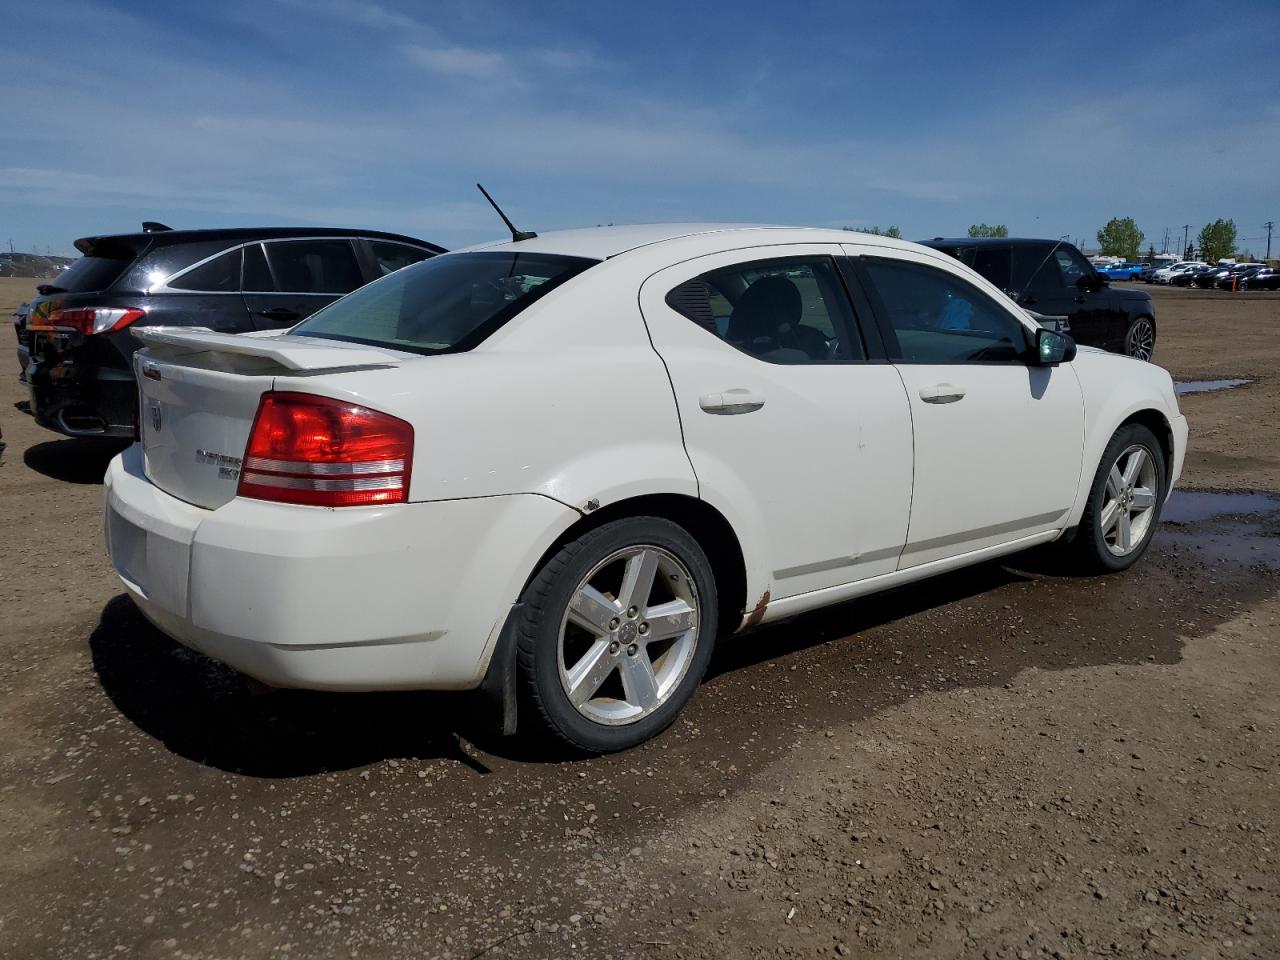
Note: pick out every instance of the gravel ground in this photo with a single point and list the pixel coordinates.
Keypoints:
(1003, 762)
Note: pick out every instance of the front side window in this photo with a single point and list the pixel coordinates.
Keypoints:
(314, 266)
(446, 304)
(788, 310)
(937, 317)
(1074, 267)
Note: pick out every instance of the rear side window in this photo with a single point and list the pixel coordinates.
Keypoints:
(1036, 271)
(995, 264)
(791, 310)
(936, 317)
(390, 256)
(445, 304)
(314, 266)
(219, 275)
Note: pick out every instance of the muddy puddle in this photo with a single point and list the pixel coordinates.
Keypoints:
(1182, 387)
(1232, 529)
(1193, 506)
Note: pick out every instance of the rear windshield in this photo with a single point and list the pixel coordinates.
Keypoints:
(443, 305)
(90, 274)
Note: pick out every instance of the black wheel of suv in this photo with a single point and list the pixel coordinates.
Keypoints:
(616, 633)
(1124, 504)
(1140, 338)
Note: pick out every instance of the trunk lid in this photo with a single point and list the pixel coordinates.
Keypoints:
(199, 392)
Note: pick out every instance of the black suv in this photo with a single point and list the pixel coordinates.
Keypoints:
(1052, 278)
(75, 340)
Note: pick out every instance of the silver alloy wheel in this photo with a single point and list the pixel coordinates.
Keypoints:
(1140, 341)
(1130, 501)
(629, 635)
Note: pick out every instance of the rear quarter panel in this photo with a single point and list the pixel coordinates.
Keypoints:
(569, 401)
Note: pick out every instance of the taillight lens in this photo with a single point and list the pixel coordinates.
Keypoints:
(324, 452)
(91, 320)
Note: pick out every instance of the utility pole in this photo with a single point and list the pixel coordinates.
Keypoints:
(1269, 224)
(1185, 228)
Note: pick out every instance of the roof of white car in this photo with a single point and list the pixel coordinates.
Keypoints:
(603, 242)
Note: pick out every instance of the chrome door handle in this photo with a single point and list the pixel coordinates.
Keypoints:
(729, 402)
(942, 393)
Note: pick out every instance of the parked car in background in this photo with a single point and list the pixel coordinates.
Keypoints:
(1122, 271)
(76, 339)
(1052, 278)
(1233, 276)
(1166, 274)
(559, 469)
(1266, 278)
(7, 267)
(1187, 277)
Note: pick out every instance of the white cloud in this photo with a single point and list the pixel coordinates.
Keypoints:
(457, 61)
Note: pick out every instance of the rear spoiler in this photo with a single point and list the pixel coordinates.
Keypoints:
(293, 353)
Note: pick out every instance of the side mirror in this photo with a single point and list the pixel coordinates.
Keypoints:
(1092, 281)
(1053, 348)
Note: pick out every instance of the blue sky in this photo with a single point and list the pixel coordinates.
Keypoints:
(383, 114)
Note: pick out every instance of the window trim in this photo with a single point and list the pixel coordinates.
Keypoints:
(858, 330)
(163, 285)
(858, 263)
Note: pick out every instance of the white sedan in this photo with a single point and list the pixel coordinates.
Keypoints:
(560, 469)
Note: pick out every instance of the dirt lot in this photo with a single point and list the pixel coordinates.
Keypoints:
(1001, 763)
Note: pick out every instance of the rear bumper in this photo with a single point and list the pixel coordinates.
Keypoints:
(410, 596)
(83, 400)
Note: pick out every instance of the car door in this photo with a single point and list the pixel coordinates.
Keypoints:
(206, 294)
(998, 442)
(288, 280)
(786, 414)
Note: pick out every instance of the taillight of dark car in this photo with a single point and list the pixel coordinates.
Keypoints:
(93, 320)
(323, 452)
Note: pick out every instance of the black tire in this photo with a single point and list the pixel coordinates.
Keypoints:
(1132, 338)
(1089, 550)
(546, 601)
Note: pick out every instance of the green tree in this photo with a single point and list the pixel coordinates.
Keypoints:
(1121, 238)
(876, 231)
(982, 230)
(1217, 240)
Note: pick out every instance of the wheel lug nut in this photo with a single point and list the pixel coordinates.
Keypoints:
(644, 628)
(613, 647)
(631, 612)
(613, 624)
(631, 650)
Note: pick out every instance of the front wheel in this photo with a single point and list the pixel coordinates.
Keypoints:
(616, 633)
(1140, 338)
(1124, 503)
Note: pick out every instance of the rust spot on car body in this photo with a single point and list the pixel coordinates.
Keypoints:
(757, 614)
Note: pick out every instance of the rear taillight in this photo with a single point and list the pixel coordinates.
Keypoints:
(325, 452)
(91, 320)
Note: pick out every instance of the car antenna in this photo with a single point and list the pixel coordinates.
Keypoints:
(516, 235)
(152, 226)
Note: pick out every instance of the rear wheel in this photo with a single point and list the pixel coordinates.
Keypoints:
(1140, 338)
(1124, 503)
(616, 633)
